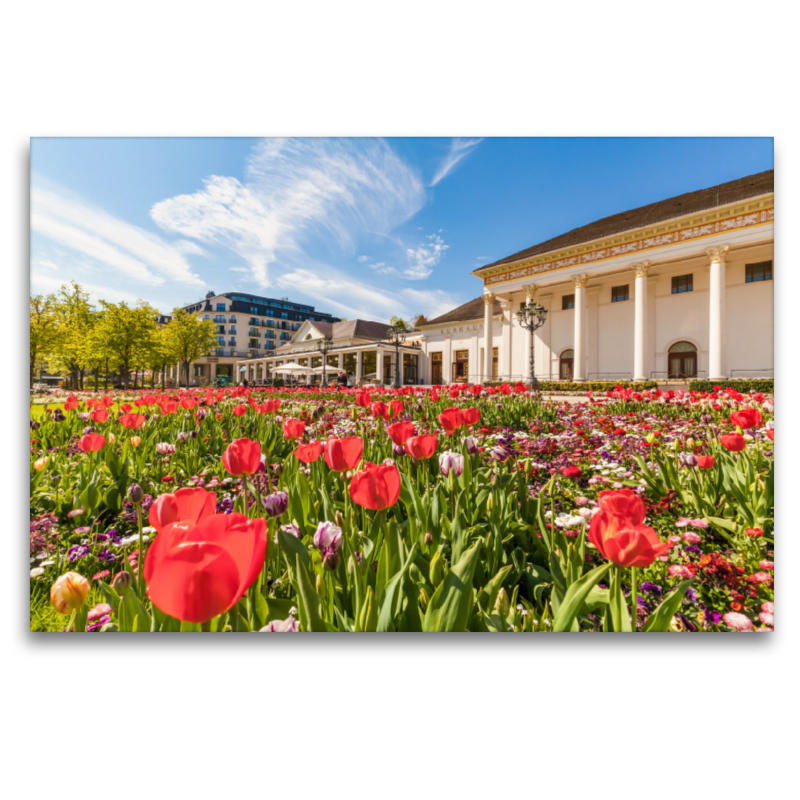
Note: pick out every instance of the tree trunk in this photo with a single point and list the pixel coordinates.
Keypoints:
(96, 377)
(106, 386)
(135, 379)
(186, 365)
(163, 376)
(33, 363)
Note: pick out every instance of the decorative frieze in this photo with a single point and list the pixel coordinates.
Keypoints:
(546, 263)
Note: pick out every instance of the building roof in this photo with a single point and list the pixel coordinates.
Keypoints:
(651, 214)
(472, 310)
(352, 329)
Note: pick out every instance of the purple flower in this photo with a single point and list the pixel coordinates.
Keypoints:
(398, 450)
(651, 588)
(107, 556)
(327, 536)
(277, 503)
(288, 625)
(471, 445)
(292, 530)
(451, 462)
(499, 453)
(77, 551)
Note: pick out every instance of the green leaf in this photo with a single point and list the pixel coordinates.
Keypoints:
(488, 595)
(576, 596)
(393, 597)
(293, 547)
(311, 605)
(451, 605)
(659, 620)
(618, 611)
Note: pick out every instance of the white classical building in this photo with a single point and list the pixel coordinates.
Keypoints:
(676, 289)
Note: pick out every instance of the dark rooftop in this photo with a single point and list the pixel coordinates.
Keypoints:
(471, 310)
(652, 214)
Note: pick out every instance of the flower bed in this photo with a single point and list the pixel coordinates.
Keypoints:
(438, 509)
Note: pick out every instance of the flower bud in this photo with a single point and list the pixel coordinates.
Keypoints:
(690, 443)
(38, 465)
(136, 441)
(471, 445)
(320, 586)
(428, 538)
(69, 592)
(135, 493)
(339, 519)
(423, 599)
(489, 504)
(277, 469)
(331, 559)
(436, 570)
(87, 430)
(499, 453)
(451, 462)
(122, 582)
(55, 478)
(398, 450)
(367, 621)
(183, 437)
(192, 434)
(502, 605)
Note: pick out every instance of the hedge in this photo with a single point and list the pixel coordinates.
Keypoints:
(743, 385)
(588, 386)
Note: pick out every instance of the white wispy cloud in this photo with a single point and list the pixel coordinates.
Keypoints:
(382, 269)
(430, 303)
(458, 149)
(131, 251)
(425, 257)
(296, 191)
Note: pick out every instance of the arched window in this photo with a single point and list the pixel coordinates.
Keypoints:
(682, 360)
(565, 365)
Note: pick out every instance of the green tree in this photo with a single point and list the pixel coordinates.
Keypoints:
(129, 333)
(420, 319)
(43, 329)
(187, 338)
(398, 322)
(74, 320)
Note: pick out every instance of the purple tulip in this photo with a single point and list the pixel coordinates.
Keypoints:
(451, 462)
(327, 536)
(499, 453)
(277, 503)
(398, 450)
(292, 530)
(288, 625)
(471, 445)
(687, 459)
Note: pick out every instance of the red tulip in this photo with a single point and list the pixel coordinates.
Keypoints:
(239, 411)
(771, 434)
(293, 428)
(746, 418)
(705, 462)
(71, 404)
(400, 432)
(423, 446)
(343, 454)
(394, 409)
(377, 486)
(106, 401)
(99, 415)
(571, 472)
(185, 505)
(132, 421)
(377, 409)
(472, 416)
(308, 452)
(243, 457)
(169, 407)
(733, 442)
(197, 571)
(92, 442)
(450, 419)
(270, 407)
(125, 408)
(188, 403)
(362, 399)
(620, 537)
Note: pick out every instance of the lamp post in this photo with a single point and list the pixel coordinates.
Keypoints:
(396, 336)
(531, 317)
(324, 347)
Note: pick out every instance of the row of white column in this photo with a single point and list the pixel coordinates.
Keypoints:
(717, 335)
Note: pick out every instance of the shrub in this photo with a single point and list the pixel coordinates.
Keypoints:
(743, 385)
(588, 386)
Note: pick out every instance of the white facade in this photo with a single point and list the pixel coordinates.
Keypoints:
(726, 319)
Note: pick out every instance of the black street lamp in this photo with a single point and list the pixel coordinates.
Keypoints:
(531, 317)
(324, 347)
(396, 335)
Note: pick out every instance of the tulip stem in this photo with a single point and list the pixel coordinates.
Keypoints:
(141, 550)
(634, 609)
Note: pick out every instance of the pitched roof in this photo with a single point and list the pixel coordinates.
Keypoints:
(352, 329)
(471, 310)
(651, 214)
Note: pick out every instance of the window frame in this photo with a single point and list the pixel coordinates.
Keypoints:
(686, 286)
(764, 266)
(615, 298)
(566, 304)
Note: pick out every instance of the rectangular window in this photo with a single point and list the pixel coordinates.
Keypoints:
(682, 283)
(758, 272)
(284, 315)
(567, 301)
(619, 294)
(221, 307)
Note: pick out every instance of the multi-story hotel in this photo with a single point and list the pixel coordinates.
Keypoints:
(676, 289)
(248, 326)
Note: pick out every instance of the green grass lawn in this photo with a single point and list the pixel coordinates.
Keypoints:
(45, 619)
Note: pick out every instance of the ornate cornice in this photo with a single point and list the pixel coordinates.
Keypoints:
(642, 268)
(717, 253)
(758, 211)
(581, 280)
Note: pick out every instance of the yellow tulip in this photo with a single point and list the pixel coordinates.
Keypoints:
(69, 592)
(136, 441)
(38, 465)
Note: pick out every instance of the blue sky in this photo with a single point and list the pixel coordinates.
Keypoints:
(356, 227)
